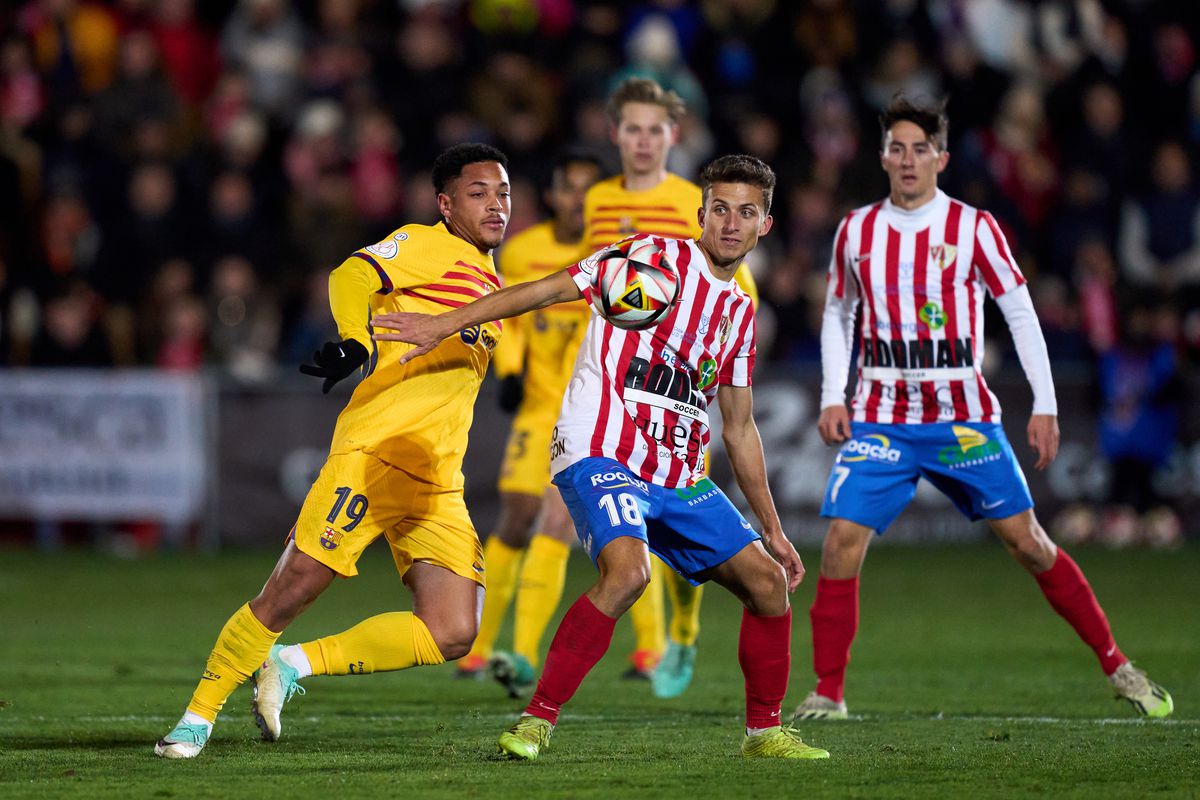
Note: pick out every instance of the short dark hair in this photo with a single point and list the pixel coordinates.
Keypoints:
(930, 118)
(576, 155)
(644, 90)
(449, 165)
(739, 169)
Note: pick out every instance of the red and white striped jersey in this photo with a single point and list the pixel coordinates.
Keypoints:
(921, 276)
(642, 397)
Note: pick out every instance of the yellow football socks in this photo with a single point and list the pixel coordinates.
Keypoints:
(685, 608)
(503, 564)
(538, 592)
(241, 647)
(649, 627)
(385, 642)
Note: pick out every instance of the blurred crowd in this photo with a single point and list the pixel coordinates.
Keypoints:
(177, 178)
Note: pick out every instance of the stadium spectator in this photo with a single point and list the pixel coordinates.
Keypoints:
(1160, 229)
(1139, 422)
(917, 416)
(265, 40)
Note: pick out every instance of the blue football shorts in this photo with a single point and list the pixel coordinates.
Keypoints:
(692, 529)
(875, 474)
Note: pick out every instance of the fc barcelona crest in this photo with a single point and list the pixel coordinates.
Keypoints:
(943, 254)
(330, 539)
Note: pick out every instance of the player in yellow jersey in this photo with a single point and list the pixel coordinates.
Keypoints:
(646, 198)
(534, 364)
(394, 468)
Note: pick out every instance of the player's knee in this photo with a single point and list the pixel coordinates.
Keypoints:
(454, 640)
(624, 587)
(768, 590)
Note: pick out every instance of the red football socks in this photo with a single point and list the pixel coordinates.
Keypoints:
(834, 616)
(765, 653)
(1070, 595)
(581, 640)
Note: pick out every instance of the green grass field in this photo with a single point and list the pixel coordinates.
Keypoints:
(963, 683)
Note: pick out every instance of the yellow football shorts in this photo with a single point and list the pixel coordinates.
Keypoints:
(526, 466)
(357, 497)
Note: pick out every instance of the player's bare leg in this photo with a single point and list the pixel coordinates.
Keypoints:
(441, 625)
(764, 651)
(834, 617)
(244, 643)
(502, 554)
(581, 640)
(1070, 594)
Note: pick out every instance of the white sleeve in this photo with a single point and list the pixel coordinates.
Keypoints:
(837, 341)
(1017, 307)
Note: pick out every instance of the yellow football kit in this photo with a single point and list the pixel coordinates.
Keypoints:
(395, 464)
(543, 346)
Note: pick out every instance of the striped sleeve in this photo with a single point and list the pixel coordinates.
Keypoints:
(994, 261)
(737, 371)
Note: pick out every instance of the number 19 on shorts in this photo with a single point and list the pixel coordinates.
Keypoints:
(624, 506)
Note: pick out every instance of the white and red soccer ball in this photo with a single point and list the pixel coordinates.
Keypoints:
(637, 283)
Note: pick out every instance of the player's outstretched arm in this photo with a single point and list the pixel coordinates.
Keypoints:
(744, 447)
(424, 331)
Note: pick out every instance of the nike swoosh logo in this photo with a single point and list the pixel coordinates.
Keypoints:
(1111, 650)
(989, 506)
(341, 353)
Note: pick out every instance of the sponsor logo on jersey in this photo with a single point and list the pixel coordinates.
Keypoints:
(918, 353)
(708, 373)
(872, 447)
(698, 492)
(477, 333)
(617, 480)
(933, 316)
(330, 539)
(973, 448)
(664, 386)
(943, 255)
(558, 445)
(388, 247)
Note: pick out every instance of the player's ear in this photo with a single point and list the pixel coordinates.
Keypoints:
(444, 205)
(675, 133)
(767, 222)
(700, 216)
(943, 160)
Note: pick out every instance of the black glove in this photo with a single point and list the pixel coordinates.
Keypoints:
(512, 392)
(334, 361)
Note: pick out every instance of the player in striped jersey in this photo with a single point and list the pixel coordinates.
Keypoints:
(646, 198)
(394, 468)
(919, 264)
(628, 456)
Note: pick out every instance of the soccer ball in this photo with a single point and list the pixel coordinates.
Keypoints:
(638, 284)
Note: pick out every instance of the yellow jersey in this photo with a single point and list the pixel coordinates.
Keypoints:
(611, 212)
(414, 416)
(543, 343)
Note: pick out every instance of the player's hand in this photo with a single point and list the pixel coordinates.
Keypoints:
(1043, 438)
(834, 424)
(512, 392)
(781, 550)
(334, 361)
(420, 330)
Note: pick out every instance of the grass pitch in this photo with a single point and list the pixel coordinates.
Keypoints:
(963, 683)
